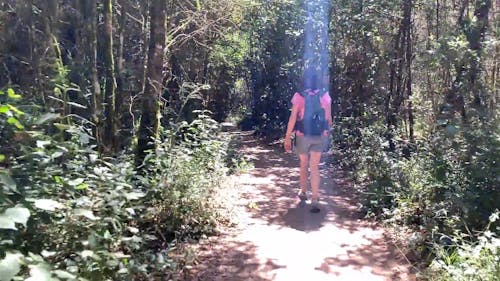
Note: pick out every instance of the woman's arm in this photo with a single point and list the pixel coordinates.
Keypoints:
(329, 115)
(290, 126)
(291, 121)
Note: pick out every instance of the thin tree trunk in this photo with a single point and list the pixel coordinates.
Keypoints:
(145, 8)
(469, 69)
(34, 58)
(438, 6)
(110, 82)
(120, 92)
(496, 62)
(49, 17)
(409, 55)
(89, 15)
(149, 126)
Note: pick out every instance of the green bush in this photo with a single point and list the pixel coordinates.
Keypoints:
(67, 213)
(469, 257)
(186, 176)
(445, 180)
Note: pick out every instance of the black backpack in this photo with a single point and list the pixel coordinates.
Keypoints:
(314, 121)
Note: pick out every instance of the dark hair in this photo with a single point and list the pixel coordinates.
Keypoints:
(311, 79)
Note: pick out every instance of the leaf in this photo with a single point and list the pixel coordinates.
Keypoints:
(134, 195)
(63, 274)
(57, 154)
(16, 111)
(46, 118)
(58, 179)
(2, 93)
(62, 127)
(451, 130)
(42, 144)
(48, 204)
(82, 186)
(76, 104)
(85, 213)
(84, 138)
(10, 266)
(4, 109)
(133, 230)
(8, 181)
(13, 121)
(86, 254)
(6, 222)
(39, 272)
(120, 255)
(48, 254)
(18, 214)
(442, 122)
(76, 181)
(2, 157)
(11, 94)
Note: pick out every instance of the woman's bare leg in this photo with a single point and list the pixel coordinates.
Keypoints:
(315, 177)
(304, 161)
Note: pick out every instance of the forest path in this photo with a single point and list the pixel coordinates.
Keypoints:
(276, 239)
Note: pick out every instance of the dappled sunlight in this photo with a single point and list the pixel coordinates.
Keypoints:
(283, 240)
(238, 262)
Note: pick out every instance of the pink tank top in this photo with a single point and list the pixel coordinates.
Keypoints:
(299, 100)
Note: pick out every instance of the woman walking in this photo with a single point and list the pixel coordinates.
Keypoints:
(310, 119)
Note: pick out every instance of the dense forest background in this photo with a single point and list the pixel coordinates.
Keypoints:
(110, 117)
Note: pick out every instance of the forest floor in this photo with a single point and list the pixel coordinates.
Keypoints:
(275, 238)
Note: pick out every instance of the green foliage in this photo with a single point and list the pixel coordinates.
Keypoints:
(10, 115)
(66, 212)
(441, 187)
(185, 176)
(275, 34)
(467, 258)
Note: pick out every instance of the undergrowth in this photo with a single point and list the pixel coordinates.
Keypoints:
(67, 213)
(443, 188)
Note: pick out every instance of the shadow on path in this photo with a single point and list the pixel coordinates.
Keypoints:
(279, 239)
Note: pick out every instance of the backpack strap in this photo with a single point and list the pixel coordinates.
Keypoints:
(320, 92)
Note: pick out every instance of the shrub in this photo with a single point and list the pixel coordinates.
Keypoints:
(66, 212)
(469, 257)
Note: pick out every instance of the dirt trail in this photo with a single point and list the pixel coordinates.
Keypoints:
(279, 240)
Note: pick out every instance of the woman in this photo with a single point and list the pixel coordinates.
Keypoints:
(308, 147)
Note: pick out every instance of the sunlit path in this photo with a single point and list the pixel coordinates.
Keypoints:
(280, 240)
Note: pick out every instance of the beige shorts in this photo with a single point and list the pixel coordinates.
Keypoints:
(306, 144)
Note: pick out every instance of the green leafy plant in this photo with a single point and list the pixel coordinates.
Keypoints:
(469, 257)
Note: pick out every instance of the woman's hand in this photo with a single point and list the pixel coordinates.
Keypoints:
(288, 144)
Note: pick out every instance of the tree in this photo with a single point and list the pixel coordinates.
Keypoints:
(110, 126)
(89, 15)
(150, 112)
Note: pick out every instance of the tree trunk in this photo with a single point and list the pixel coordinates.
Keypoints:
(145, 9)
(495, 64)
(120, 92)
(400, 76)
(409, 56)
(438, 6)
(49, 17)
(393, 76)
(110, 82)
(34, 58)
(89, 41)
(469, 69)
(149, 125)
